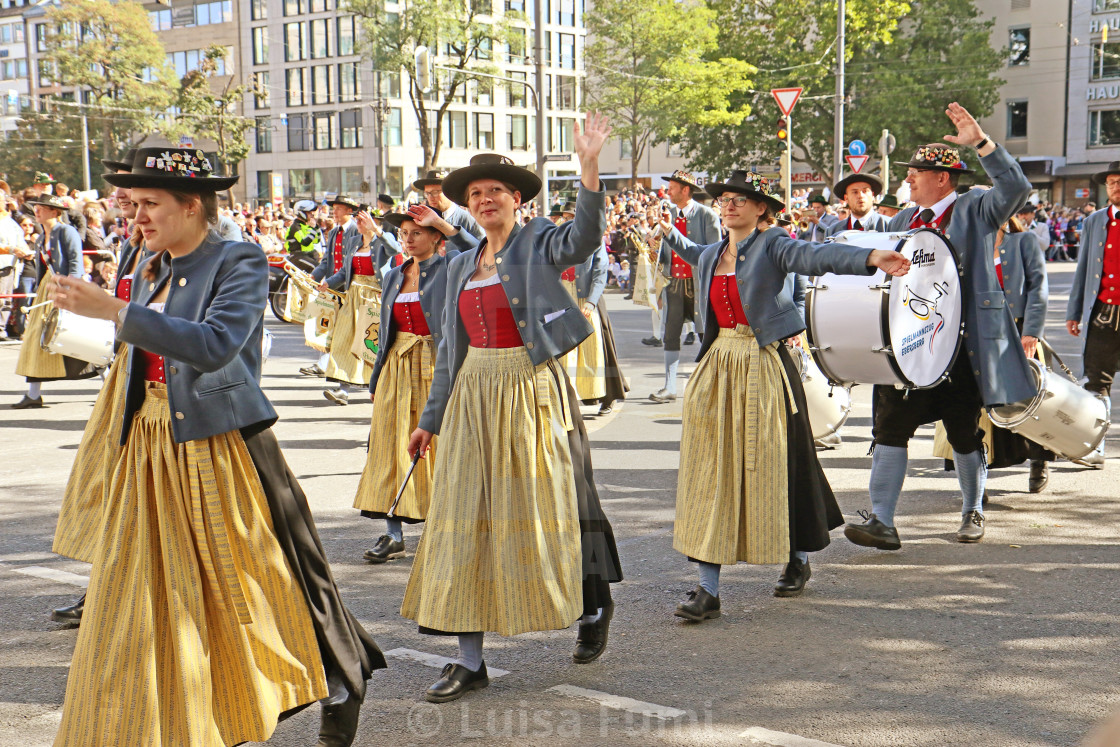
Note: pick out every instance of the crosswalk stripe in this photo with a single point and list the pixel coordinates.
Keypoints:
(53, 574)
(758, 735)
(620, 703)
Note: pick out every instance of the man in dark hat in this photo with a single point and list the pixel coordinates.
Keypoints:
(701, 225)
(888, 206)
(556, 214)
(818, 218)
(858, 192)
(988, 370)
(385, 205)
(1093, 311)
(432, 187)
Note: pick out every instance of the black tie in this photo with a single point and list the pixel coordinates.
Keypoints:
(926, 216)
(857, 226)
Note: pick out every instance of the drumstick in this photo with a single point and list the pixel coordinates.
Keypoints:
(393, 508)
(43, 303)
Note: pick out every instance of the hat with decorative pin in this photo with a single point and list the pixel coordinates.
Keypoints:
(938, 157)
(683, 177)
(177, 169)
(752, 185)
(125, 164)
(51, 201)
(491, 166)
(433, 177)
(347, 200)
(42, 177)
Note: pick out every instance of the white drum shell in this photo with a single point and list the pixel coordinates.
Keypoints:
(829, 406)
(1063, 416)
(82, 337)
(864, 331)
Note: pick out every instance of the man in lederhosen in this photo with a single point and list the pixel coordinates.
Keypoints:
(1093, 312)
(990, 369)
(701, 225)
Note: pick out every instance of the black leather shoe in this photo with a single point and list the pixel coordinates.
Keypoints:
(972, 527)
(384, 550)
(792, 581)
(27, 403)
(652, 341)
(72, 614)
(873, 533)
(700, 606)
(339, 723)
(456, 682)
(1040, 476)
(690, 338)
(592, 638)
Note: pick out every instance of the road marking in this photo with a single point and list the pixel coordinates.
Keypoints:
(758, 735)
(53, 574)
(619, 703)
(435, 662)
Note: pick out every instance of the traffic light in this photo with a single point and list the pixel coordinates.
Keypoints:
(783, 131)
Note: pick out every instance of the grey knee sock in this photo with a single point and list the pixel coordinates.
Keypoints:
(34, 389)
(799, 555)
(972, 473)
(323, 360)
(888, 472)
(709, 578)
(470, 651)
(395, 529)
(672, 358)
(592, 618)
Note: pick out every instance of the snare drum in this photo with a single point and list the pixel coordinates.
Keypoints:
(1062, 416)
(82, 337)
(901, 331)
(829, 405)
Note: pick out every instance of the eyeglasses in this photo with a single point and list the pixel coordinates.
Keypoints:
(433, 193)
(737, 200)
(1112, 183)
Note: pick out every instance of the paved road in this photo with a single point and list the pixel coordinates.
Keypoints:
(1008, 642)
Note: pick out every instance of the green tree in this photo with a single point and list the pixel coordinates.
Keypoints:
(651, 70)
(50, 142)
(463, 36)
(208, 109)
(108, 51)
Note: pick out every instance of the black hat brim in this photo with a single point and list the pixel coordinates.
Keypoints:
(841, 187)
(46, 205)
(922, 165)
(171, 183)
(352, 205)
(524, 181)
(397, 220)
(678, 180)
(715, 189)
(116, 166)
(419, 184)
(1100, 176)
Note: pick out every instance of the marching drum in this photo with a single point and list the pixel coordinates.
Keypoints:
(901, 331)
(82, 337)
(829, 405)
(1062, 416)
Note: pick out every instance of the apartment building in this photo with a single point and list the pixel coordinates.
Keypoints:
(14, 76)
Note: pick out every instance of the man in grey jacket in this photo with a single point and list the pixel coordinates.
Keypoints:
(432, 186)
(701, 225)
(990, 369)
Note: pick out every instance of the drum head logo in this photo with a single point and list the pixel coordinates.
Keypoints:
(924, 309)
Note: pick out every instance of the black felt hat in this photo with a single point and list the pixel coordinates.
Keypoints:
(347, 200)
(1100, 176)
(430, 178)
(684, 177)
(752, 185)
(491, 166)
(938, 157)
(397, 219)
(51, 201)
(179, 169)
(841, 187)
(125, 164)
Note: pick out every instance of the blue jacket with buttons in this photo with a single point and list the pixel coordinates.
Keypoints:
(991, 339)
(460, 217)
(1024, 280)
(66, 252)
(591, 276)
(701, 227)
(209, 334)
(529, 266)
(1087, 278)
(762, 272)
(351, 244)
(433, 294)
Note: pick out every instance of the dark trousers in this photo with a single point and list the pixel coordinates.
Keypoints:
(348, 651)
(1102, 348)
(17, 322)
(955, 402)
(679, 306)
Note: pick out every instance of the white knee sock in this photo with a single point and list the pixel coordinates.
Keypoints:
(470, 650)
(34, 389)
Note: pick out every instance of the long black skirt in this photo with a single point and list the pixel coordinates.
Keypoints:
(615, 381)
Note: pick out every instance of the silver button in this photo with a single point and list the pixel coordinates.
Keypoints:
(977, 373)
(515, 301)
(505, 278)
(421, 293)
(427, 313)
(742, 256)
(987, 303)
(151, 286)
(498, 260)
(179, 416)
(172, 369)
(423, 274)
(521, 323)
(182, 282)
(529, 345)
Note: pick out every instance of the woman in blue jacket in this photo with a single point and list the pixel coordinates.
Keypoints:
(515, 539)
(750, 487)
(211, 612)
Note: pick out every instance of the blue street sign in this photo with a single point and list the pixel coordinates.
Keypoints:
(857, 147)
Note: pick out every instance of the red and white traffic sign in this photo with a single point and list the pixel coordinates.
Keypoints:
(786, 98)
(856, 162)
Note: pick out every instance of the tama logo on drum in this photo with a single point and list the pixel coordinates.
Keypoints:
(923, 258)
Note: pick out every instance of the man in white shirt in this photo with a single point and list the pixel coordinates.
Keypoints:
(12, 243)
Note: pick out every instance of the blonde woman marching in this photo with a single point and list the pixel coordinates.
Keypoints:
(750, 487)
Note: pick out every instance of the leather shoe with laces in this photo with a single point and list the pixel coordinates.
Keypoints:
(663, 395)
(72, 614)
(1040, 476)
(339, 723)
(690, 338)
(27, 403)
(873, 533)
(792, 581)
(386, 548)
(972, 527)
(313, 370)
(456, 682)
(700, 606)
(592, 638)
(654, 342)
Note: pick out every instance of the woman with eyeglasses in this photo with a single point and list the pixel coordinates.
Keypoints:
(750, 487)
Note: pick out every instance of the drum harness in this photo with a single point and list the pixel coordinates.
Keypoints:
(1107, 318)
